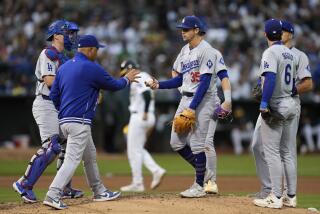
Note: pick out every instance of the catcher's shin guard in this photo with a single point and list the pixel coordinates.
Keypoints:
(40, 161)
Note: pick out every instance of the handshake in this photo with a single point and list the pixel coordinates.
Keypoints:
(152, 83)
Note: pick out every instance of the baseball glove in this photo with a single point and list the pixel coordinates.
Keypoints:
(184, 122)
(272, 117)
(222, 115)
(257, 93)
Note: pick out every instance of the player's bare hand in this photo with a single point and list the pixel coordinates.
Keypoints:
(132, 75)
(152, 83)
(226, 106)
(145, 116)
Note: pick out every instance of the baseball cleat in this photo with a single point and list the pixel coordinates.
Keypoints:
(72, 193)
(270, 202)
(211, 187)
(157, 178)
(27, 195)
(195, 191)
(132, 188)
(107, 196)
(289, 202)
(54, 203)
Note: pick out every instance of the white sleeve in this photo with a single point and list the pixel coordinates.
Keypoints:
(303, 67)
(47, 66)
(177, 64)
(220, 65)
(207, 61)
(268, 62)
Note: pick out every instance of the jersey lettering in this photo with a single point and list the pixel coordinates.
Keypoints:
(287, 74)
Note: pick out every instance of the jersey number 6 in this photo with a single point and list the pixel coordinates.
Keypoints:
(287, 74)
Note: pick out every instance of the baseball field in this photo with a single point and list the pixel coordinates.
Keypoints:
(236, 180)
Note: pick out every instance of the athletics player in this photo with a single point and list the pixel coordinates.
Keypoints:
(44, 112)
(278, 71)
(197, 66)
(142, 120)
(75, 94)
(303, 84)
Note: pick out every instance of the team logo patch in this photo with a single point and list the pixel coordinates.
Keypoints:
(265, 65)
(209, 64)
(221, 61)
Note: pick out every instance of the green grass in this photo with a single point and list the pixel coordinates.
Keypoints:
(228, 165)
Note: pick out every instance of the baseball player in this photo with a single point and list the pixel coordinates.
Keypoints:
(197, 65)
(45, 114)
(75, 94)
(303, 84)
(278, 71)
(142, 120)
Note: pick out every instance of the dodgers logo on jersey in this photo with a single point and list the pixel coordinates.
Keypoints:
(189, 66)
(265, 65)
(209, 64)
(221, 61)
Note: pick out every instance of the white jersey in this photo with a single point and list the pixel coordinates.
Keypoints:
(303, 69)
(280, 60)
(137, 103)
(197, 61)
(45, 66)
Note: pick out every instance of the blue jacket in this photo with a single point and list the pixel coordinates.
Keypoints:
(76, 87)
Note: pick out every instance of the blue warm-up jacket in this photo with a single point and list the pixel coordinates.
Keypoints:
(76, 87)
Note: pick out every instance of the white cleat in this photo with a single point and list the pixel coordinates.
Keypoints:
(195, 191)
(270, 202)
(289, 202)
(133, 188)
(157, 178)
(211, 187)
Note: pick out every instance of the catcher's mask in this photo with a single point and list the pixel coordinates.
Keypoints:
(126, 66)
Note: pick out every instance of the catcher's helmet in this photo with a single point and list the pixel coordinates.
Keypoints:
(126, 65)
(57, 27)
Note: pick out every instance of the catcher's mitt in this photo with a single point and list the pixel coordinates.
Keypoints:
(184, 122)
(222, 115)
(272, 117)
(257, 93)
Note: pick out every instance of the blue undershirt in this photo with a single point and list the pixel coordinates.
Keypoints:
(201, 90)
(268, 88)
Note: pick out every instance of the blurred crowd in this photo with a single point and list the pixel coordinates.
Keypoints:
(145, 31)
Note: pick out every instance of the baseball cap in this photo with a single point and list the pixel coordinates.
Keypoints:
(190, 22)
(273, 27)
(89, 41)
(128, 64)
(287, 26)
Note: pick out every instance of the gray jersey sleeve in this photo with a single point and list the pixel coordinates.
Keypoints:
(207, 60)
(268, 62)
(219, 65)
(47, 66)
(176, 64)
(303, 67)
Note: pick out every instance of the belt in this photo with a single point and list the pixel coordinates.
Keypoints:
(187, 94)
(134, 112)
(45, 97)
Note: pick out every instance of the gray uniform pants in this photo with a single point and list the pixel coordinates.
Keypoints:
(278, 142)
(80, 146)
(197, 138)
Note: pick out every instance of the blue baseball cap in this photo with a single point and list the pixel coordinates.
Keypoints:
(287, 26)
(89, 41)
(191, 22)
(273, 27)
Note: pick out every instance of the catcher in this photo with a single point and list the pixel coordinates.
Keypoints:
(197, 67)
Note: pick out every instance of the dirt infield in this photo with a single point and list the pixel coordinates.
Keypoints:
(168, 201)
(158, 203)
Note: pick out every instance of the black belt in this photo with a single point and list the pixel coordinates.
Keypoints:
(187, 94)
(45, 97)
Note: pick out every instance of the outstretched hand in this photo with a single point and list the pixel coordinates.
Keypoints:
(132, 75)
(152, 83)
